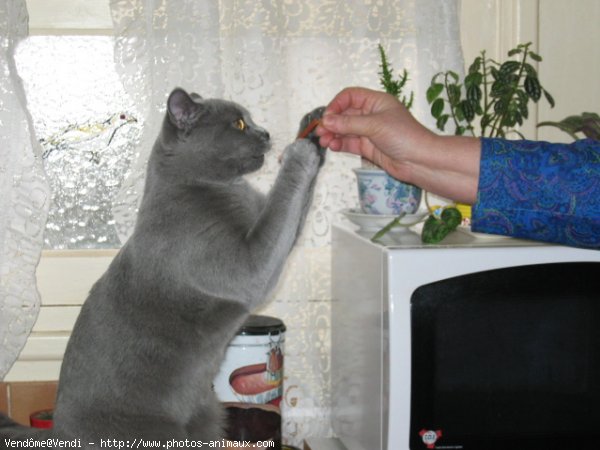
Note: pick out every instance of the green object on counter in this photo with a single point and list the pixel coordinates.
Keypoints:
(435, 229)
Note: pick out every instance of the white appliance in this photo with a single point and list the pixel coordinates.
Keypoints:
(372, 348)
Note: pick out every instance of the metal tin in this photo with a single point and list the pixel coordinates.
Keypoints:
(250, 380)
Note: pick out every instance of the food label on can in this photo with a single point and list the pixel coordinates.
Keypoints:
(250, 384)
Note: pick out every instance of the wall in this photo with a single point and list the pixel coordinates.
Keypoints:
(565, 34)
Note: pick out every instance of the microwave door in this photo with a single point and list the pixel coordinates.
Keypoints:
(507, 359)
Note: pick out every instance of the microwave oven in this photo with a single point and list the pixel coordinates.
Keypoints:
(482, 342)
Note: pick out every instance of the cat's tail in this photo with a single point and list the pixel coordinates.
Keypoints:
(14, 435)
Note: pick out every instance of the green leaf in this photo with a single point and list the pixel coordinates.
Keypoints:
(586, 123)
(467, 110)
(452, 217)
(515, 51)
(441, 121)
(509, 67)
(473, 79)
(453, 75)
(408, 102)
(519, 118)
(549, 98)
(474, 94)
(475, 66)
(533, 88)
(535, 56)
(435, 230)
(437, 108)
(485, 120)
(500, 106)
(560, 126)
(453, 94)
(530, 70)
(460, 130)
(434, 92)
(387, 81)
(499, 88)
(458, 114)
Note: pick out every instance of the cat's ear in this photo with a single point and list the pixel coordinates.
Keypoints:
(182, 109)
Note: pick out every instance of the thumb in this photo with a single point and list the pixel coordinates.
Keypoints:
(343, 124)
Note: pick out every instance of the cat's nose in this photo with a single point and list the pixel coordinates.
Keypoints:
(265, 134)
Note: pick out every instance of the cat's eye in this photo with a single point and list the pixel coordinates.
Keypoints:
(240, 124)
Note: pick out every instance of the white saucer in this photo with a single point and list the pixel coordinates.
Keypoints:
(375, 222)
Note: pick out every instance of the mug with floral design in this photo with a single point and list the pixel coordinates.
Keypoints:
(380, 193)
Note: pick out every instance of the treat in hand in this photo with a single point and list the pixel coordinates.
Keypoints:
(308, 124)
(309, 128)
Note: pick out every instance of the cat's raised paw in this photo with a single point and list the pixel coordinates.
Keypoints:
(307, 129)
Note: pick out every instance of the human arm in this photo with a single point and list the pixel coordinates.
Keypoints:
(532, 190)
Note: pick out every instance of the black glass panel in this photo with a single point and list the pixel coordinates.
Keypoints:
(508, 359)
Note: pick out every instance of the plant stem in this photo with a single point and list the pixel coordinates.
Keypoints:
(388, 227)
(485, 90)
(395, 223)
(449, 102)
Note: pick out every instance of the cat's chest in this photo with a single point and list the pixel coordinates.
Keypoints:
(237, 205)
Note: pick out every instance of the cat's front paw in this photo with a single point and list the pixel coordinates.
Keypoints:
(301, 154)
(307, 130)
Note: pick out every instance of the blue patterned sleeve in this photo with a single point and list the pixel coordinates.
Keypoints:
(539, 190)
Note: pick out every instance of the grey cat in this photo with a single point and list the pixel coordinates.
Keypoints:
(206, 250)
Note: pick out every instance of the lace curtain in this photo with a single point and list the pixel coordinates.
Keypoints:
(280, 59)
(24, 196)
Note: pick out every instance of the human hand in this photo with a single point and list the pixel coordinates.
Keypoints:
(376, 126)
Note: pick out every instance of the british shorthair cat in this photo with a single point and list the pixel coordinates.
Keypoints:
(206, 250)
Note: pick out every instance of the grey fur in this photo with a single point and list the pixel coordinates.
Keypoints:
(207, 249)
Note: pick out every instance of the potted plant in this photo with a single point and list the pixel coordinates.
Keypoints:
(378, 192)
(376, 187)
(498, 95)
(585, 123)
(42, 419)
(491, 100)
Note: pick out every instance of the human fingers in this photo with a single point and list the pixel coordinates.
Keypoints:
(350, 125)
(321, 131)
(353, 144)
(345, 144)
(359, 99)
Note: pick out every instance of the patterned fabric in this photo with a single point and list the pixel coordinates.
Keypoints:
(541, 191)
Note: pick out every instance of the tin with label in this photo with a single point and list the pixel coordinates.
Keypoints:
(250, 381)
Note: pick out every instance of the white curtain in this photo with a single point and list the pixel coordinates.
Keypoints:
(281, 59)
(24, 196)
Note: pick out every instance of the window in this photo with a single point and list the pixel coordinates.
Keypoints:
(82, 117)
(88, 131)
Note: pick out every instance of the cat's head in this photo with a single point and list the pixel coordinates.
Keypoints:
(209, 139)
